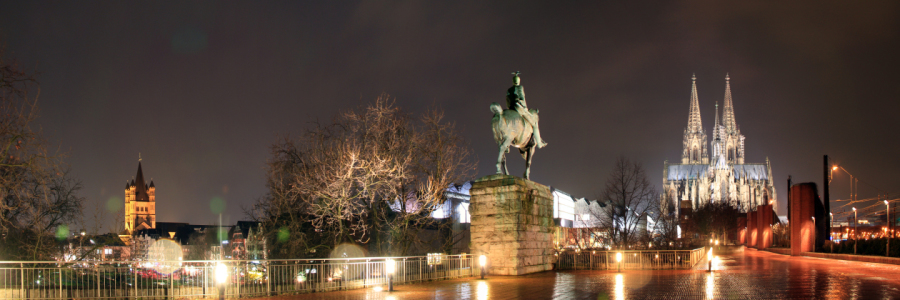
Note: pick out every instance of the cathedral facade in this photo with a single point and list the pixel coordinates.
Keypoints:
(140, 203)
(717, 172)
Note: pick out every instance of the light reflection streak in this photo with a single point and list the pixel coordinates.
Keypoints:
(710, 286)
(482, 290)
(620, 287)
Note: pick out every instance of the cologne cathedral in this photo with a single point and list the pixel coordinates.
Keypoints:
(716, 172)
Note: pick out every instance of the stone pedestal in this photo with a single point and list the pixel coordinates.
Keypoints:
(803, 203)
(512, 224)
(763, 224)
(751, 229)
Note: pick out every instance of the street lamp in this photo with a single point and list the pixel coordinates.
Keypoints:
(619, 261)
(830, 228)
(483, 261)
(221, 278)
(389, 267)
(81, 242)
(851, 180)
(855, 230)
(888, 218)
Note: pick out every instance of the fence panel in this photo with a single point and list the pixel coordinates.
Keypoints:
(631, 259)
(194, 279)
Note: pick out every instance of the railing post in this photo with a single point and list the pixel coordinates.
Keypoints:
(268, 279)
(97, 269)
(22, 272)
(642, 259)
(58, 267)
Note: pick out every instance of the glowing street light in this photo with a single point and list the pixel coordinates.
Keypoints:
(390, 266)
(221, 278)
(482, 260)
(855, 232)
(830, 228)
(888, 218)
(619, 261)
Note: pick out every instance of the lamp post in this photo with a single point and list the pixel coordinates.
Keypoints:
(855, 230)
(390, 266)
(830, 227)
(221, 278)
(619, 261)
(483, 261)
(81, 242)
(888, 218)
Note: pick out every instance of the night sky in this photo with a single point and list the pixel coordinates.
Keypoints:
(202, 89)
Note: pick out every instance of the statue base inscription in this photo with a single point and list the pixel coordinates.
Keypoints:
(512, 223)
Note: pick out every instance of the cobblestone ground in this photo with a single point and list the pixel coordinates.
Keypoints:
(752, 275)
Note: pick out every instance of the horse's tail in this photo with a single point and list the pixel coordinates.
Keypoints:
(496, 108)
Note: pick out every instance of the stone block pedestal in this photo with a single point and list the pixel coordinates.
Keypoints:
(764, 226)
(803, 230)
(512, 224)
(752, 229)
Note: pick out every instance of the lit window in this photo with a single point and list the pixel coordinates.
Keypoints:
(463, 211)
(107, 251)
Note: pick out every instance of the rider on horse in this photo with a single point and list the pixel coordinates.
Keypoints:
(515, 100)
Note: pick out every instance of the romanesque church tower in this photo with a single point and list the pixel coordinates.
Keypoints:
(140, 203)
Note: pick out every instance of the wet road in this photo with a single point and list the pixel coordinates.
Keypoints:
(752, 275)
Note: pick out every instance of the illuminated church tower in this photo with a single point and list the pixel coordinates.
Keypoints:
(694, 137)
(140, 203)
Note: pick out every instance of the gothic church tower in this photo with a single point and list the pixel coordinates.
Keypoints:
(728, 142)
(140, 203)
(694, 137)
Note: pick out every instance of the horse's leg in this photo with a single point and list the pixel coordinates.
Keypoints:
(501, 159)
(528, 162)
(505, 171)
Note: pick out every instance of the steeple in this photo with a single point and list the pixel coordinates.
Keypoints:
(728, 110)
(694, 122)
(716, 126)
(140, 192)
(695, 150)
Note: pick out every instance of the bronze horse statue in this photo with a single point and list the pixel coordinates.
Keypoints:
(510, 129)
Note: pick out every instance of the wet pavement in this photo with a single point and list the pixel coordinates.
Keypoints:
(751, 275)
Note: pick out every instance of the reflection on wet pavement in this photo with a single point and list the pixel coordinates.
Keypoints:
(752, 275)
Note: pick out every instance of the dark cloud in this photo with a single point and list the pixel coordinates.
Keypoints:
(202, 89)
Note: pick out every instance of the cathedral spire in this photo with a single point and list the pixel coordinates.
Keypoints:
(694, 122)
(728, 110)
(716, 126)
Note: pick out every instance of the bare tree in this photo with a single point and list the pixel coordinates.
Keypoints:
(37, 197)
(372, 176)
(716, 219)
(666, 231)
(629, 199)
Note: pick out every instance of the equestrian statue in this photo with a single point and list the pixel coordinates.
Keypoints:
(516, 126)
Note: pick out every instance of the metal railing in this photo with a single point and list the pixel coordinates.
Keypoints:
(631, 259)
(179, 279)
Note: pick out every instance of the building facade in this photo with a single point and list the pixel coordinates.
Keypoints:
(140, 203)
(718, 172)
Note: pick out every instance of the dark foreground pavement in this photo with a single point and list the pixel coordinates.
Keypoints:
(752, 275)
